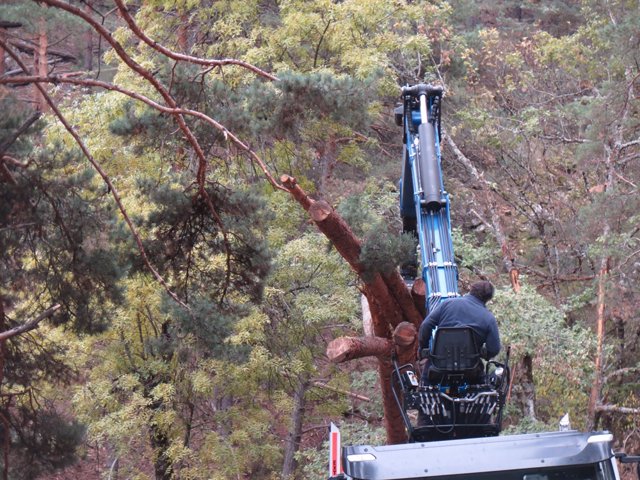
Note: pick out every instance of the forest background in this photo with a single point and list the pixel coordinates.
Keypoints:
(165, 300)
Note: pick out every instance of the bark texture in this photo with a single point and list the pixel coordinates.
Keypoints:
(394, 315)
(289, 463)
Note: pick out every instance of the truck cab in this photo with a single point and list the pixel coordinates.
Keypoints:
(568, 455)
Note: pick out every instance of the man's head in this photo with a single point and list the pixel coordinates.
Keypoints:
(482, 290)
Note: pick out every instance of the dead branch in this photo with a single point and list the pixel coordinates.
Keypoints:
(617, 409)
(124, 11)
(341, 392)
(29, 325)
(619, 373)
(6, 144)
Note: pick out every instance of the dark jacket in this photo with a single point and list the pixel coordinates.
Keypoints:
(467, 311)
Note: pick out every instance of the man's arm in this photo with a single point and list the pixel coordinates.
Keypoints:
(493, 339)
(429, 323)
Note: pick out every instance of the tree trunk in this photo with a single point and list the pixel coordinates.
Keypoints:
(594, 397)
(41, 62)
(88, 41)
(526, 396)
(390, 303)
(292, 444)
(6, 440)
(183, 43)
(3, 38)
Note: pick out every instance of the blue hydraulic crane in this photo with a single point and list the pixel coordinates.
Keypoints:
(443, 418)
(424, 202)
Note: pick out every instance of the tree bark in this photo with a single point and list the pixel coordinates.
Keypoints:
(88, 41)
(292, 444)
(390, 304)
(594, 396)
(183, 45)
(527, 393)
(41, 65)
(419, 295)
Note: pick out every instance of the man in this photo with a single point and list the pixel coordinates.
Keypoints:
(467, 311)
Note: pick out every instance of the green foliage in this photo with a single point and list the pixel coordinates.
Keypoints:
(57, 233)
(561, 355)
(471, 254)
(46, 442)
(382, 252)
(529, 425)
(367, 383)
(535, 99)
(314, 460)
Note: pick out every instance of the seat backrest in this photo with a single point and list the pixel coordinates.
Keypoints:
(455, 349)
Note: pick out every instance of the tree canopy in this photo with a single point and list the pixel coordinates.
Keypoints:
(174, 180)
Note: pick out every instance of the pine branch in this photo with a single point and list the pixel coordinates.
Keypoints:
(105, 178)
(57, 79)
(29, 325)
(124, 12)
(341, 392)
(23, 128)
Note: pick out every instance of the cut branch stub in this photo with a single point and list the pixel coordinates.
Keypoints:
(296, 192)
(404, 335)
(343, 349)
(405, 338)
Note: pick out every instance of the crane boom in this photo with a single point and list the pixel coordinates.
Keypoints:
(424, 202)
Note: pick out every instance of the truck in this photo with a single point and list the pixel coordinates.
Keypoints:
(561, 455)
(454, 419)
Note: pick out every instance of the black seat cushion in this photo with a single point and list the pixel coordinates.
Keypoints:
(455, 353)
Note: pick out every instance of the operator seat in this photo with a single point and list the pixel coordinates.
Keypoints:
(455, 357)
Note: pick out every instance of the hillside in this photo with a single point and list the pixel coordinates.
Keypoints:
(168, 290)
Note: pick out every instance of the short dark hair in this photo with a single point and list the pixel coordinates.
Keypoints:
(482, 290)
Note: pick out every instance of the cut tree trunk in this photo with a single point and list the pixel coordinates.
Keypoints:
(525, 393)
(390, 303)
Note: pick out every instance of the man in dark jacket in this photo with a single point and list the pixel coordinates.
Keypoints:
(467, 311)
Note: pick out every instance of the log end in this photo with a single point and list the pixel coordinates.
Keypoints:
(405, 334)
(288, 181)
(320, 210)
(338, 349)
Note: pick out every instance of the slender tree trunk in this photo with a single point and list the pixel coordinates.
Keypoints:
(6, 440)
(594, 397)
(526, 397)
(3, 38)
(88, 41)
(183, 43)
(41, 61)
(292, 444)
